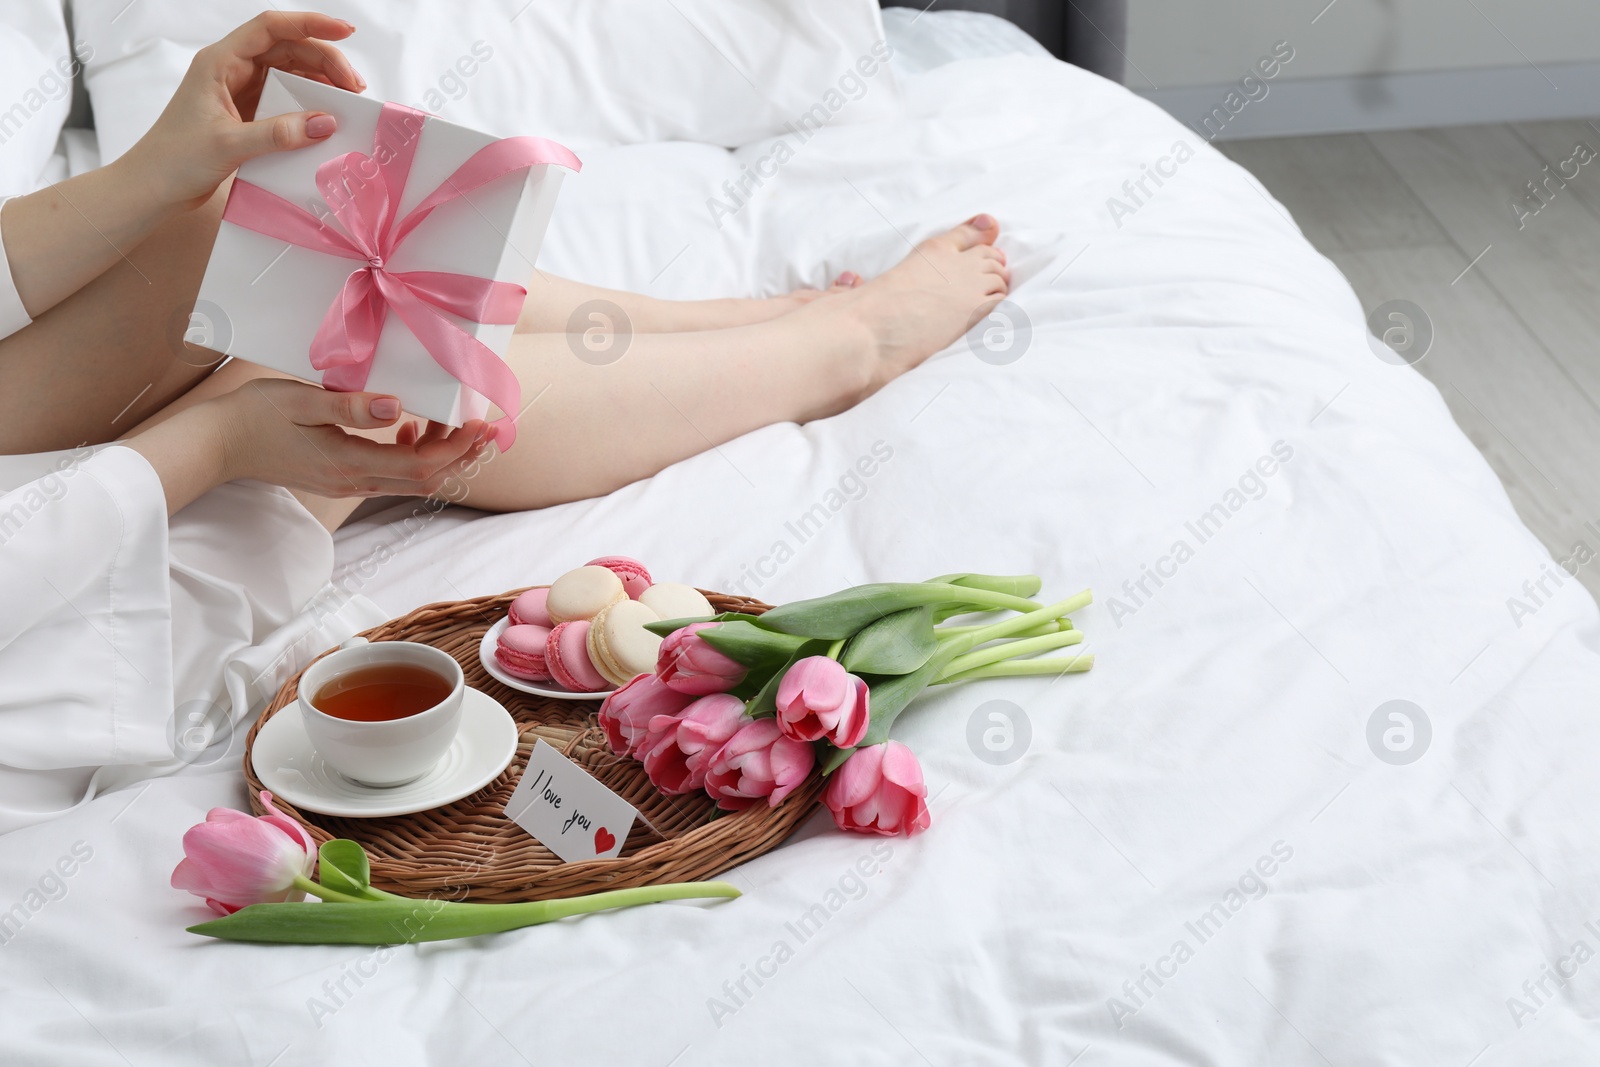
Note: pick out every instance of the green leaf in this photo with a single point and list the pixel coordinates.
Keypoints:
(889, 697)
(746, 643)
(374, 922)
(398, 921)
(765, 702)
(895, 644)
(839, 615)
(665, 627)
(342, 866)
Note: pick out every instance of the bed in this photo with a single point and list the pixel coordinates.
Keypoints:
(1324, 799)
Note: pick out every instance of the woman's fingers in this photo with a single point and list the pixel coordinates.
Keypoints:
(405, 469)
(295, 432)
(443, 450)
(309, 405)
(310, 59)
(270, 27)
(251, 44)
(435, 431)
(282, 133)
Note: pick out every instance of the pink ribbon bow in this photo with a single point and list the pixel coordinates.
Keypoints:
(364, 193)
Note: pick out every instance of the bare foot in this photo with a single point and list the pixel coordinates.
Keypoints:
(782, 305)
(927, 301)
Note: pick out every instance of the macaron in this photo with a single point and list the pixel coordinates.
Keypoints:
(567, 656)
(529, 610)
(581, 593)
(635, 578)
(670, 600)
(521, 651)
(619, 645)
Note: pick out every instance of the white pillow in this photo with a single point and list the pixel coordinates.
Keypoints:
(583, 72)
(36, 72)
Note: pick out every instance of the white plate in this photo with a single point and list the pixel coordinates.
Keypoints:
(290, 767)
(491, 641)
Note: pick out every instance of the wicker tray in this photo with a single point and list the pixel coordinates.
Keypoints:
(469, 850)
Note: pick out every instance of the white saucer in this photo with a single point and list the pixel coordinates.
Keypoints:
(290, 767)
(491, 641)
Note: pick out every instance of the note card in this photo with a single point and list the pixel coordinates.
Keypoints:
(567, 809)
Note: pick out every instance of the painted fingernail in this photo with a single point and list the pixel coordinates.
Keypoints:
(983, 222)
(320, 126)
(385, 407)
(849, 279)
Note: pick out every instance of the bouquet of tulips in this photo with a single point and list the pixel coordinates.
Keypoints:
(746, 706)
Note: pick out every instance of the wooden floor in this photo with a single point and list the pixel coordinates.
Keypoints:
(1516, 350)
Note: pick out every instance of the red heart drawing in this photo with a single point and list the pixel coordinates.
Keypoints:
(603, 840)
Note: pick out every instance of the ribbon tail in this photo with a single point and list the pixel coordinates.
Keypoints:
(253, 208)
(478, 299)
(488, 163)
(467, 359)
(348, 337)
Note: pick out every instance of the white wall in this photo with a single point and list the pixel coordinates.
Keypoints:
(1367, 64)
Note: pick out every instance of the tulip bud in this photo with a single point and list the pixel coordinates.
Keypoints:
(879, 790)
(690, 665)
(625, 714)
(819, 700)
(755, 763)
(235, 860)
(676, 749)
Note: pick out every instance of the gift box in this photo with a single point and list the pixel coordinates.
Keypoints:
(391, 257)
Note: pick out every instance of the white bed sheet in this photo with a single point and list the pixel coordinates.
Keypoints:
(1224, 726)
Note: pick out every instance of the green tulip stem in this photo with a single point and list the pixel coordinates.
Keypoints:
(322, 892)
(1017, 668)
(1017, 624)
(835, 648)
(1004, 650)
(1053, 626)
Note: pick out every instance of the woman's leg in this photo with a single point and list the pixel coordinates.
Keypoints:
(594, 425)
(113, 354)
(558, 305)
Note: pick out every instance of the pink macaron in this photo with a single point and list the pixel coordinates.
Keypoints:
(567, 656)
(635, 578)
(529, 608)
(521, 651)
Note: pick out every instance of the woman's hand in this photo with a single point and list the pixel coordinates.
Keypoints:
(288, 433)
(208, 128)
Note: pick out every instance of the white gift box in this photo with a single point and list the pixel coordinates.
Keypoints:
(263, 299)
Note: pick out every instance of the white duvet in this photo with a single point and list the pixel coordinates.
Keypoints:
(1199, 857)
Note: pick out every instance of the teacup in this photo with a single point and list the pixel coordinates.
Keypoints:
(387, 752)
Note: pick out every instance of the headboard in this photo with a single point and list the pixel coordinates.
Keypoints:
(1087, 33)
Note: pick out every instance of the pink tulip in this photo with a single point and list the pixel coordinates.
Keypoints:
(234, 860)
(879, 790)
(677, 749)
(818, 699)
(625, 715)
(757, 762)
(689, 665)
